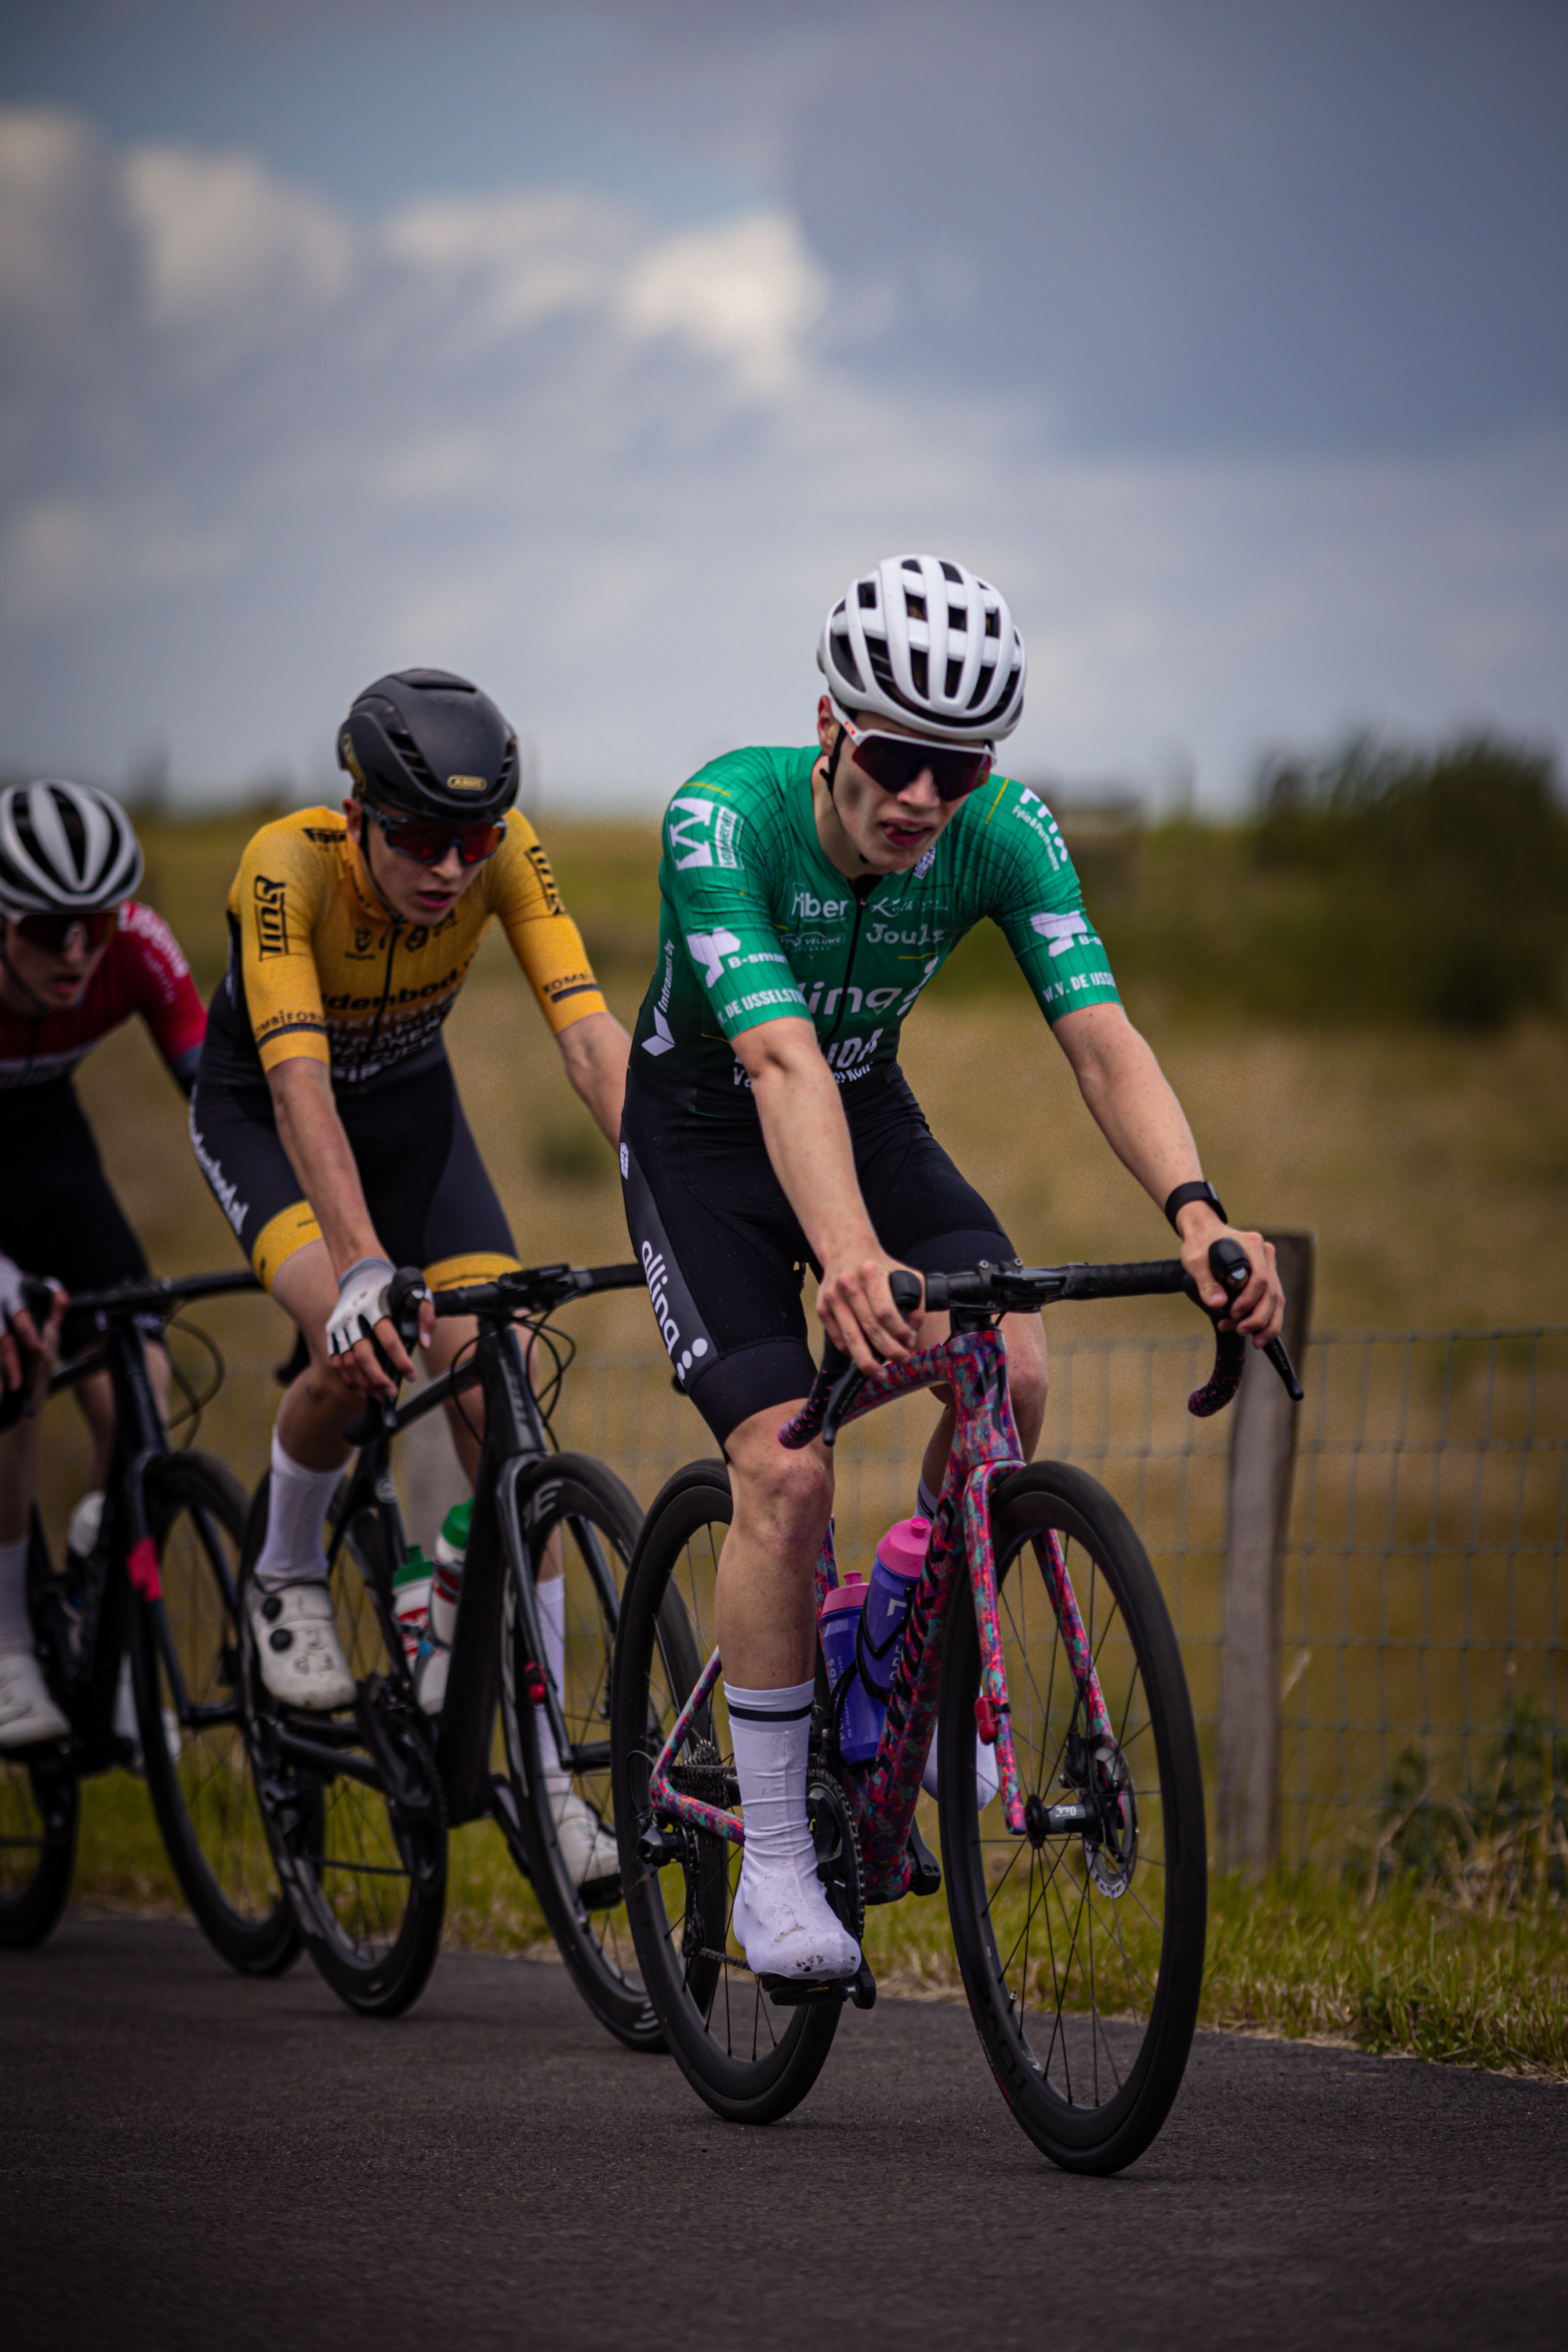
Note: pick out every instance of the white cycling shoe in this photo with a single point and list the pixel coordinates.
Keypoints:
(27, 1713)
(588, 1848)
(785, 1927)
(302, 1662)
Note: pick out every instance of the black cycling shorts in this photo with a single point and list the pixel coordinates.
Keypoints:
(429, 1198)
(725, 1257)
(58, 1214)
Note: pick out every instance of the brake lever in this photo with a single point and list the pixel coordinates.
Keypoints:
(906, 1290)
(1230, 1266)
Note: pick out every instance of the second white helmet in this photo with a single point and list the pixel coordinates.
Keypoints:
(924, 642)
(64, 849)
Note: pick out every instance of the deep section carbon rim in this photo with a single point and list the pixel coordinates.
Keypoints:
(1081, 1950)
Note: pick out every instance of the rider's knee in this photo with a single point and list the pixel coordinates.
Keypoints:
(1028, 1381)
(790, 1493)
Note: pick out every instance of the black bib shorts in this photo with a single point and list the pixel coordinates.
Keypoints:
(724, 1253)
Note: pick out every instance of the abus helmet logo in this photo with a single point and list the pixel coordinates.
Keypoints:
(653, 1269)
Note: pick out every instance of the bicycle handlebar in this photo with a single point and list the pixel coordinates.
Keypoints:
(1010, 1289)
(528, 1290)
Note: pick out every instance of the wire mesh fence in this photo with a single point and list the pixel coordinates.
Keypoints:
(1422, 1654)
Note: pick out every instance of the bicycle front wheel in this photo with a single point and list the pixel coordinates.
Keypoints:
(579, 1526)
(1081, 1948)
(751, 2061)
(184, 1665)
(352, 1800)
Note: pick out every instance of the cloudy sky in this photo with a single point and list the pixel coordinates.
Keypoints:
(592, 349)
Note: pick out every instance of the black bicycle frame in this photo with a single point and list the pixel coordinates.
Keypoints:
(129, 1554)
(514, 1430)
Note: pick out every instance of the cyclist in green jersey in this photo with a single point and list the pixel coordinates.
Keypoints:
(809, 896)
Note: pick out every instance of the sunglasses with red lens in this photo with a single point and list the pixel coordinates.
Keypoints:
(427, 841)
(52, 934)
(893, 761)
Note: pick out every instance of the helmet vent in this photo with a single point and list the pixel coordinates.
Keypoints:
(412, 758)
(951, 571)
(868, 596)
(916, 608)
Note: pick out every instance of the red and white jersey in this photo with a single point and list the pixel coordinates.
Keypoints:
(143, 970)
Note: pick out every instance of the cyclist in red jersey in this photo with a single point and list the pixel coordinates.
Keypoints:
(78, 957)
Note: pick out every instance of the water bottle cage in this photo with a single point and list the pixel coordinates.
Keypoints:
(840, 1694)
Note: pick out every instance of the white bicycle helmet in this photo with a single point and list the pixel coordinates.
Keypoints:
(924, 642)
(65, 849)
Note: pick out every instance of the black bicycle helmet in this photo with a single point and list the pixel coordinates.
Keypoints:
(424, 743)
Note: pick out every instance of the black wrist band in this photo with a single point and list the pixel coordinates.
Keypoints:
(1200, 1190)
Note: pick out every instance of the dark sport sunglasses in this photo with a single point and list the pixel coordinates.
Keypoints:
(52, 934)
(894, 762)
(427, 840)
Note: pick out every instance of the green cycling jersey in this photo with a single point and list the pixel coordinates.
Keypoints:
(756, 925)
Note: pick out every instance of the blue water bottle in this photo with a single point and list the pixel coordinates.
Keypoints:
(859, 1715)
(900, 1557)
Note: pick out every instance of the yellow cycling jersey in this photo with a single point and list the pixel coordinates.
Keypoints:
(318, 968)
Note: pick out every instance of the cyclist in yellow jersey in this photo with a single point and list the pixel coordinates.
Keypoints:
(325, 1116)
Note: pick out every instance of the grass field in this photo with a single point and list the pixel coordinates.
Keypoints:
(1433, 1167)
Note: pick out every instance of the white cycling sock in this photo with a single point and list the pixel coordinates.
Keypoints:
(294, 1552)
(16, 1627)
(770, 1731)
(550, 1599)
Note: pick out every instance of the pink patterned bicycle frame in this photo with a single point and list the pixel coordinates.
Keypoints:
(883, 1793)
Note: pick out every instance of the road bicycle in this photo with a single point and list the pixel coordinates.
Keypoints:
(1078, 1896)
(358, 1803)
(159, 1582)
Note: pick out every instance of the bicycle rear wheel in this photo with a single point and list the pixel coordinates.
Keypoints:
(574, 1513)
(1081, 1950)
(39, 1806)
(185, 1665)
(352, 1800)
(40, 1802)
(749, 2060)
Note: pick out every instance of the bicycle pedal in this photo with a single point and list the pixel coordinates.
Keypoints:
(796, 1992)
(863, 1987)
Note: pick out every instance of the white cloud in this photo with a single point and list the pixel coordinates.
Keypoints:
(232, 255)
(256, 453)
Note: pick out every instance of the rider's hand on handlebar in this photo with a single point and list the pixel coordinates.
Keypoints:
(21, 1341)
(857, 1311)
(371, 1366)
(1259, 1309)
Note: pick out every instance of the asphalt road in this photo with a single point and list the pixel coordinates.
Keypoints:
(191, 2159)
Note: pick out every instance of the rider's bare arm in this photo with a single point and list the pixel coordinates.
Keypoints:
(807, 1141)
(322, 1158)
(1132, 1104)
(594, 1050)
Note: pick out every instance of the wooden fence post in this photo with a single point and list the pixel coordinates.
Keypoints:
(1258, 1518)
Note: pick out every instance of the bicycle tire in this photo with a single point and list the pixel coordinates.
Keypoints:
(184, 1670)
(1102, 1940)
(366, 1876)
(40, 1794)
(584, 1509)
(751, 2061)
(40, 1808)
